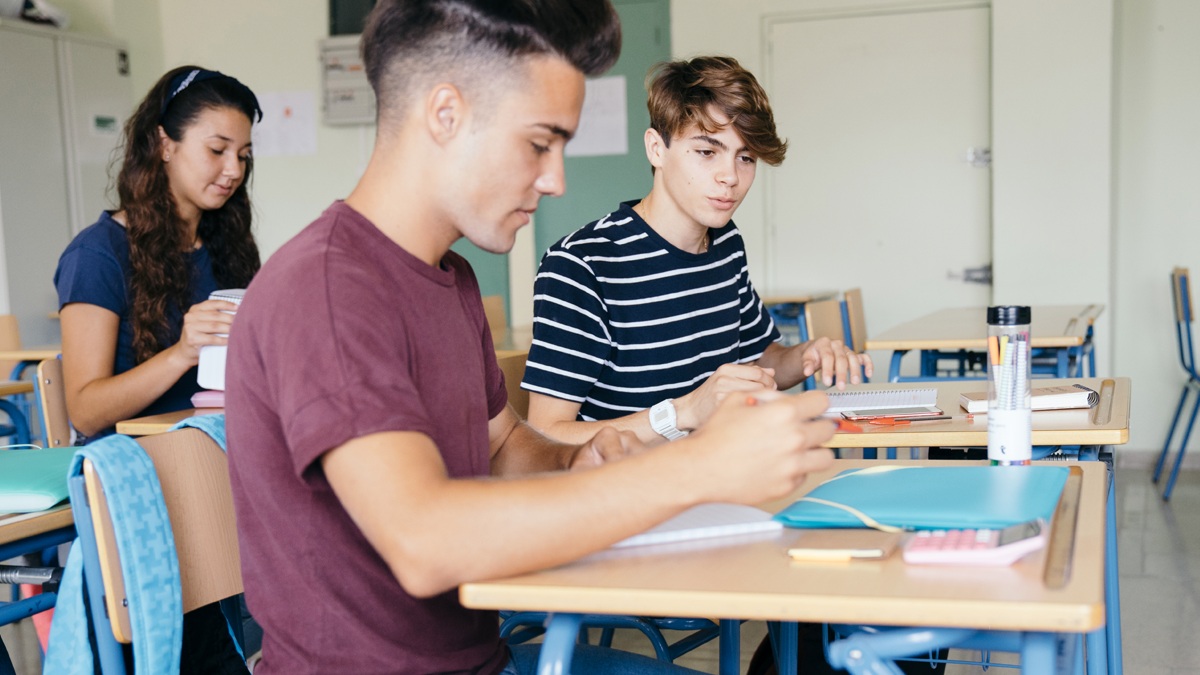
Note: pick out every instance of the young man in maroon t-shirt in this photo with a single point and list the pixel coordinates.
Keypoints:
(367, 418)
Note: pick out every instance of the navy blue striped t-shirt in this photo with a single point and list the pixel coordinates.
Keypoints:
(623, 319)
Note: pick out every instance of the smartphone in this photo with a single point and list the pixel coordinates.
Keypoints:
(922, 411)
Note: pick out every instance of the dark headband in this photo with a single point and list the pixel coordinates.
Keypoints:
(184, 80)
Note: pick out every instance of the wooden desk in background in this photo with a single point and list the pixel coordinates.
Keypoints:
(1062, 328)
(512, 344)
(759, 581)
(1106, 424)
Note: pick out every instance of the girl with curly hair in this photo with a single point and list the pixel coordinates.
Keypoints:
(133, 287)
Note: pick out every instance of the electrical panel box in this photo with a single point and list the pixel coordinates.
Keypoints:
(347, 97)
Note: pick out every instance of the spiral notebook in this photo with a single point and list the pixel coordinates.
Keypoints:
(880, 399)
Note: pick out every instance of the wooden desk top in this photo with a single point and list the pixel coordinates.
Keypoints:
(512, 340)
(10, 387)
(17, 526)
(798, 297)
(32, 353)
(159, 424)
(757, 580)
(1050, 427)
(966, 328)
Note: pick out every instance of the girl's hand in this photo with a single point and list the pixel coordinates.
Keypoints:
(206, 323)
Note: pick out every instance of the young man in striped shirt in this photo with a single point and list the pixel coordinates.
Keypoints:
(645, 319)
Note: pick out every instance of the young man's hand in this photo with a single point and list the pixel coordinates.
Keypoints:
(608, 445)
(695, 408)
(760, 447)
(835, 360)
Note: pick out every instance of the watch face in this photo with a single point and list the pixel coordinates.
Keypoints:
(660, 415)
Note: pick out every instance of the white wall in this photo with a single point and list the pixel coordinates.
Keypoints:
(1051, 150)
(1157, 208)
(272, 46)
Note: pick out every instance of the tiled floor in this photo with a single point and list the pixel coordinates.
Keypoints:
(1160, 589)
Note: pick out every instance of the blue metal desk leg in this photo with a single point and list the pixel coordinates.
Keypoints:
(894, 370)
(1039, 654)
(1112, 585)
(785, 642)
(1064, 359)
(731, 647)
(1097, 650)
(558, 647)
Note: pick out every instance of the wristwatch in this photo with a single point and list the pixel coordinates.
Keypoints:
(662, 420)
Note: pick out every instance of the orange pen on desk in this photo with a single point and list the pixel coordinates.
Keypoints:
(842, 425)
(896, 422)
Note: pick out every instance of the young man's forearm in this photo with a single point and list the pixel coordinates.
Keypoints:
(468, 530)
(573, 431)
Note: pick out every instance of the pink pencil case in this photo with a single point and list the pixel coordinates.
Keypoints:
(208, 399)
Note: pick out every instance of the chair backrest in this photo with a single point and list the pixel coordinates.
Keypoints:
(1181, 289)
(824, 319)
(858, 320)
(513, 368)
(194, 475)
(52, 404)
(10, 340)
(493, 309)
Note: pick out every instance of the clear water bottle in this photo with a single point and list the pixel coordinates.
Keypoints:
(1010, 412)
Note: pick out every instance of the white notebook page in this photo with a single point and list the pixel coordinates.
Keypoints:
(842, 401)
(703, 521)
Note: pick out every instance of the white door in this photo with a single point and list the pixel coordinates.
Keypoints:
(879, 111)
(99, 101)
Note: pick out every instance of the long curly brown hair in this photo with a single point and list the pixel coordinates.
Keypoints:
(157, 234)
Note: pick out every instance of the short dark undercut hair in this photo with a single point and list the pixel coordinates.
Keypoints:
(407, 44)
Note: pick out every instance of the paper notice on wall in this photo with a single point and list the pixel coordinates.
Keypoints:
(289, 124)
(604, 123)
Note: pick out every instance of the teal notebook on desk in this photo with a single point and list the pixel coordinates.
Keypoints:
(33, 480)
(931, 498)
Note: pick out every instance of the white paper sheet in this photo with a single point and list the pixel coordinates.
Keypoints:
(604, 123)
(289, 124)
(704, 521)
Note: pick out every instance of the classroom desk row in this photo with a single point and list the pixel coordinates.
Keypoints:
(754, 580)
(1062, 332)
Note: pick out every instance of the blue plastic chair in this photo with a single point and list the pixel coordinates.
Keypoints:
(1182, 294)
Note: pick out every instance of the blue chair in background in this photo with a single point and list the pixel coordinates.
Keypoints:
(1182, 293)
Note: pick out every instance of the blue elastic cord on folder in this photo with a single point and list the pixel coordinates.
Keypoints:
(931, 498)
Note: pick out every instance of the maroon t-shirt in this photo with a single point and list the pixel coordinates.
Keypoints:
(344, 334)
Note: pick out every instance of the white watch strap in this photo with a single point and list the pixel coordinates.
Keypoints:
(663, 420)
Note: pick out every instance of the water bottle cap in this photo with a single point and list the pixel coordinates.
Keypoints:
(1008, 315)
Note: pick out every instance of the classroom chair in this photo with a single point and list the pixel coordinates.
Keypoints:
(841, 320)
(1181, 291)
(513, 368)
(51, 399)
(10, 340)
(194, 475)
(493, 309)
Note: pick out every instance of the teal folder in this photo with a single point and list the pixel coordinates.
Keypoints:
(33, 480)
(932, 498)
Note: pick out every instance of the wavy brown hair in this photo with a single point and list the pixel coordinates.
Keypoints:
(157, 234)
(682, 93)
